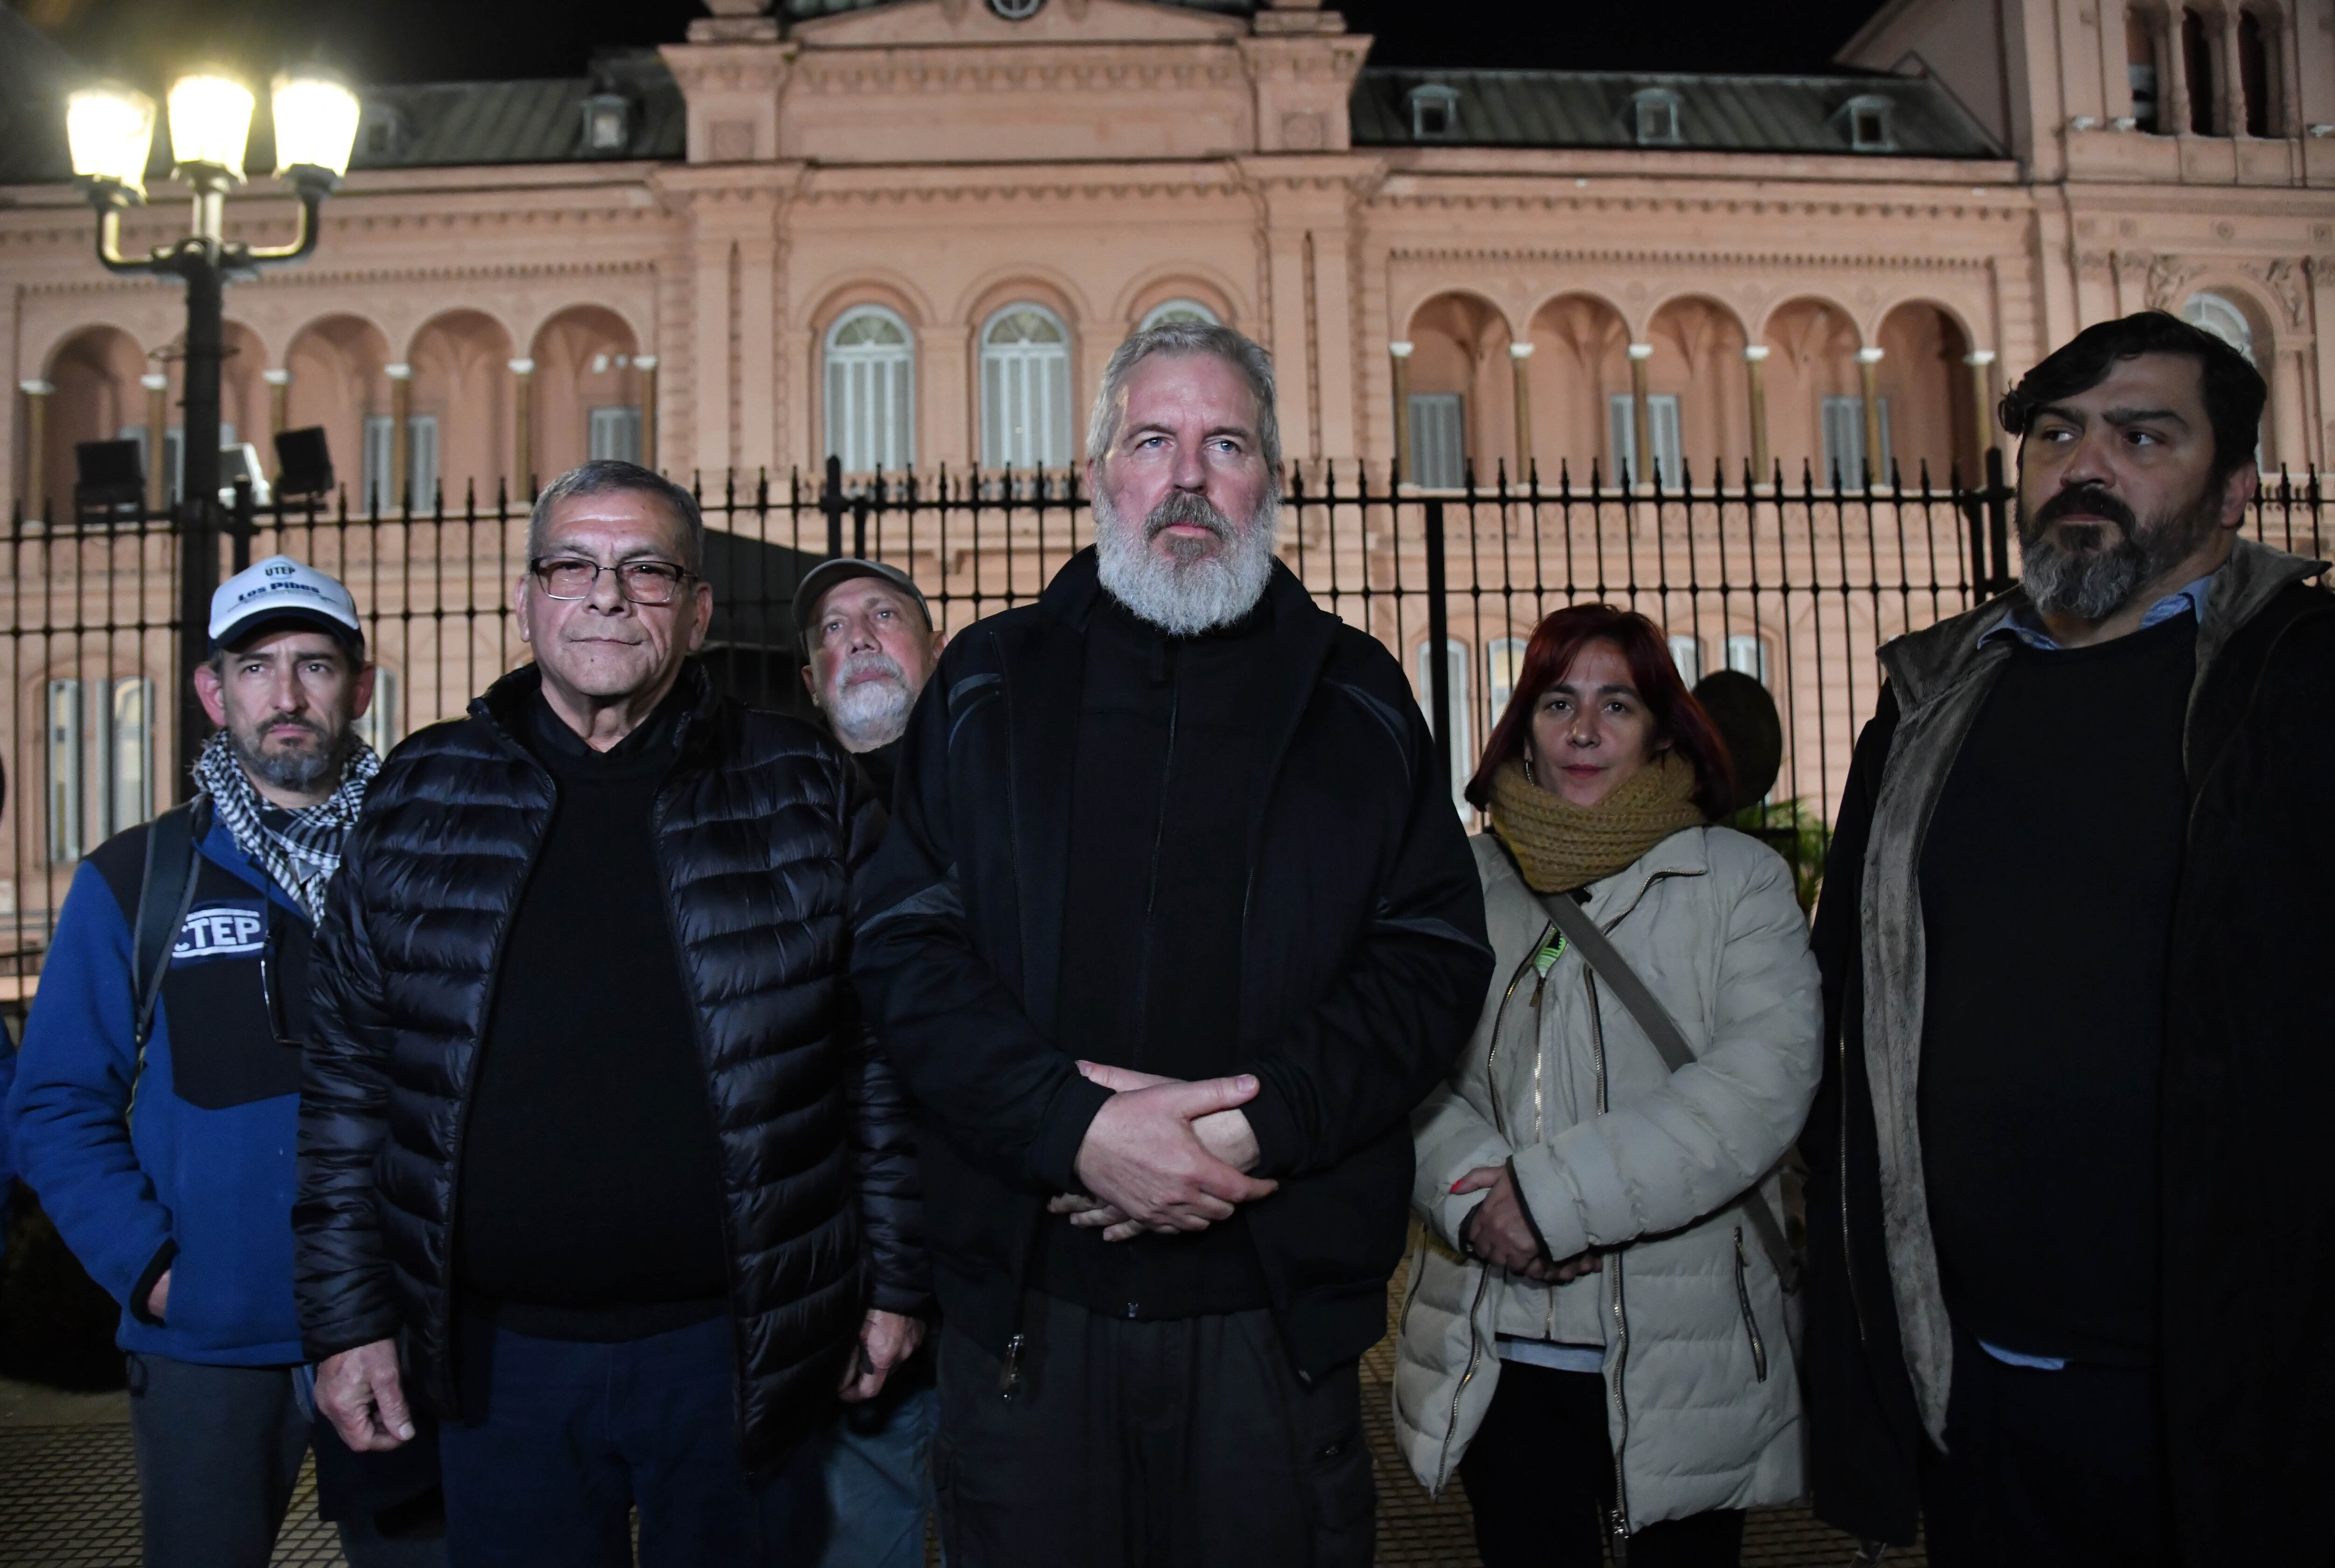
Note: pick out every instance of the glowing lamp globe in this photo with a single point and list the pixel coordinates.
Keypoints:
(210, 120)
(111, 130)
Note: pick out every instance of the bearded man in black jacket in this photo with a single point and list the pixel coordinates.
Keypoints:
(1174, 925)
(2069, 1232)
(590, 1129)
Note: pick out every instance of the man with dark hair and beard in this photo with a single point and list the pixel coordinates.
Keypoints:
(183, 1210)
(1173, 927)
(2072, 1245)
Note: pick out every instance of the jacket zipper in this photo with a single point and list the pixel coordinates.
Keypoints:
(1492, 1053)
(1617, 1524)
(1743, 1300)
(470, 1077)
(1475, 1352)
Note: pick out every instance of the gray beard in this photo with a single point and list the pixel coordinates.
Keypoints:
(2094, 585)
(874, 713)
(296, 772)
(1186, 594)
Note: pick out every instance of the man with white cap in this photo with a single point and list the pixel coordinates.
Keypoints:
(178, 984)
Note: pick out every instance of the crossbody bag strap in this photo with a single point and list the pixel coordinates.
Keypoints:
(165, 893)
(1599, 953)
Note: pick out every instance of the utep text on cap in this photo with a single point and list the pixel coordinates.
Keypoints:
(281, 590)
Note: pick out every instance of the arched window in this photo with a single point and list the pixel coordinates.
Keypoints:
(1172, 310)
(1025, 389)
(2223, 319)
(871, 390)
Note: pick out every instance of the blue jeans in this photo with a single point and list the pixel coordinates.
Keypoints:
(875, 1466)
(576, 1434)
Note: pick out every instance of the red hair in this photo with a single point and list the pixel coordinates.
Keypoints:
(1680, 722)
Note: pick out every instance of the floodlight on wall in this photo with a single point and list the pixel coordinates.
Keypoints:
(111, 130)
(210, 121)
(304, 462)
(315, 119)
(108, 476)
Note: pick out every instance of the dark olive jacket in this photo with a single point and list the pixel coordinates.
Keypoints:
(756, 828)
(1363, 958)
(2247, 1291)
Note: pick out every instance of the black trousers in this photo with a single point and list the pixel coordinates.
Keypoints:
(219, 1453)
(1540, 1478)
(1185, 1444)
(2044, 1469)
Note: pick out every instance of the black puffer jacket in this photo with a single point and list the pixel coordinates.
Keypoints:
(756, 826)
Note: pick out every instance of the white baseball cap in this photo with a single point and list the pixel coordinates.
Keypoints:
(281, 591)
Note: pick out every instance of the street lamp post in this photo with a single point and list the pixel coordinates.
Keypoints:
(110, 129)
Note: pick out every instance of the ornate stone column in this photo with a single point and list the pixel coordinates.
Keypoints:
(646, 364)
(523, 427)
(1755, 373)
(1869, 370)
(280, 394)
(401, 405)
(36, 446)
(158, 431)
(1399, 353)
(1640, 415)
(1981, 369)
(1520, 361)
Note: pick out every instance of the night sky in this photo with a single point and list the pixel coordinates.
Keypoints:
(391, 41)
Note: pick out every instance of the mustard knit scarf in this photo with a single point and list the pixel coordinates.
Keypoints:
(1560, 846)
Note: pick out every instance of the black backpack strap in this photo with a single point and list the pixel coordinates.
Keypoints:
(165, 894)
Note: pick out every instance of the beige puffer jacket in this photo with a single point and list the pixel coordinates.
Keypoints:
(1615, 1151)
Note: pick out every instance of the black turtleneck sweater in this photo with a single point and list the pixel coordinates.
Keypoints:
(1171, 754)
(590, 1205)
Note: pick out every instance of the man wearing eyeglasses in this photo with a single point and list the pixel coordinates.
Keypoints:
(158, 1126)
(590, 1129)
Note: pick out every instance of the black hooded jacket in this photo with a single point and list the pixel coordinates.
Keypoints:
(1363, 959)
(757, 825)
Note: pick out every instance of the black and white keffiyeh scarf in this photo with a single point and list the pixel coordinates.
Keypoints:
(303, 854)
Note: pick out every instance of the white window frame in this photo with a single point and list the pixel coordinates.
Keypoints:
(1463, 767)
(2220, 315)
(1686, 652)
(1747, 655)
(378, 726)
(870, 411)
(1168, 310)
(1504, 661)
(1439, 440)
(613, 432)
(1025, 395)
(1654, 118)
(1661, 425)
(128, 733)
(64, 732)
(379, 443)
(1842, 425)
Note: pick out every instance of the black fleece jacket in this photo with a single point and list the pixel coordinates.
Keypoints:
(1361, 953)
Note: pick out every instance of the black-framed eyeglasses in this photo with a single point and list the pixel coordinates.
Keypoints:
(642, 582)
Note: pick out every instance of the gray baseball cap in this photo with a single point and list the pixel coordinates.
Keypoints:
(842, 569)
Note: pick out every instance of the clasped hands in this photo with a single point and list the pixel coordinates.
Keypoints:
(1498, 1232)
(1163, 1155)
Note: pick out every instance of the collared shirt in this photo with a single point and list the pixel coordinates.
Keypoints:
(2019, 624)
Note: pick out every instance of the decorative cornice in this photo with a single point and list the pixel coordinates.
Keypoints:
(310, 277)
(1445, 256)
(1905, 208)
(854, 72)
(1006, 191)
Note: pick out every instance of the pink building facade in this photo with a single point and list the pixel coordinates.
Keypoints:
(911, 233)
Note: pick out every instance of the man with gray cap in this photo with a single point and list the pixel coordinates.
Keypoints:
(178, 982)
(869, 647)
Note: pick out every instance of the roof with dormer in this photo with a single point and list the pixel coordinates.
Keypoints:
(1803, 114)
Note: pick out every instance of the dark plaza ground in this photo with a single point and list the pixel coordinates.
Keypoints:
(69, 1493)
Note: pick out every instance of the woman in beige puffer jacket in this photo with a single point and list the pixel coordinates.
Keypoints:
(1672, 1326)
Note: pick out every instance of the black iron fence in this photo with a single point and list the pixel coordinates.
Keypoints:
(1794, 585)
